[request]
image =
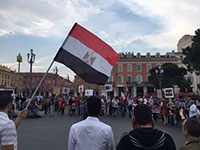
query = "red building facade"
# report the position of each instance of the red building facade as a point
(133, 70)
(50, 82)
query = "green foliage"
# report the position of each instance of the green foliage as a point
(173, 75)
(192, 54)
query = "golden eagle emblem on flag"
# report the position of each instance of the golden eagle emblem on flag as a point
(89, 58)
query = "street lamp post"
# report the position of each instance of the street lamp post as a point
(19, 60)
(56, 72)
(31, 60)
(159, 75)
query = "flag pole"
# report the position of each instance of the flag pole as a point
(39, 85)
(47, 70)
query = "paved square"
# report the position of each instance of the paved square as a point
(51, 133)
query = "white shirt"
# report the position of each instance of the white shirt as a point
(193, 110)
(90, 134)
(130, 102)
(8, 133)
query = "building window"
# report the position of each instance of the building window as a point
(147, 78)
(138, 55)
(148, 67)
(181, 58)
(129, 67)
(120, 78)
(157, 55)
(139, 68)
(129, 78)
(129, 55)
(78, 78)
(148, 55)
(139, 78)
(47, 80)
(120, 68)
(110, 79)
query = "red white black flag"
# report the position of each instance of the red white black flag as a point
(87, 55)
(122, 98)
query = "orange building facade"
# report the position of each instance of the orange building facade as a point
(133, 70)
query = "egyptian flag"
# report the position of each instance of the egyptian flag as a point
(87, 55)
(123, 98)
(127, 88)
(127, 91)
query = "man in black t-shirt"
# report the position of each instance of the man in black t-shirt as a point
(144, 136)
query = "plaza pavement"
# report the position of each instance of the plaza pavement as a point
(51, 133)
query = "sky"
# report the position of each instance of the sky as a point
(126, 25)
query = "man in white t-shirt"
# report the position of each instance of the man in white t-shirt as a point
(193, 110)
(8, 133)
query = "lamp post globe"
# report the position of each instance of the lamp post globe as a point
(19, 60)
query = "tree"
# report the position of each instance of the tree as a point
(192, 54)
(173, 75)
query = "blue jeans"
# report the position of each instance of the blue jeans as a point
(123, 107)
(81, 111)
(171, 118)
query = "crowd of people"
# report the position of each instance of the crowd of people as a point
(91, 133)
(166, 109)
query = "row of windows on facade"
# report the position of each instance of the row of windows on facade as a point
(138, 55)
(34, 86)
(4, 76)
(38, 78)
(4, 83)
(138, 67)
(38, 81)
(129, 79)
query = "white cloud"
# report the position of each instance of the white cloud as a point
(39, 68)
(44, 59)
(4, 32)
(177, 18)
(43, 18)
(104, 34)
(54, 18)
(10, 65)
